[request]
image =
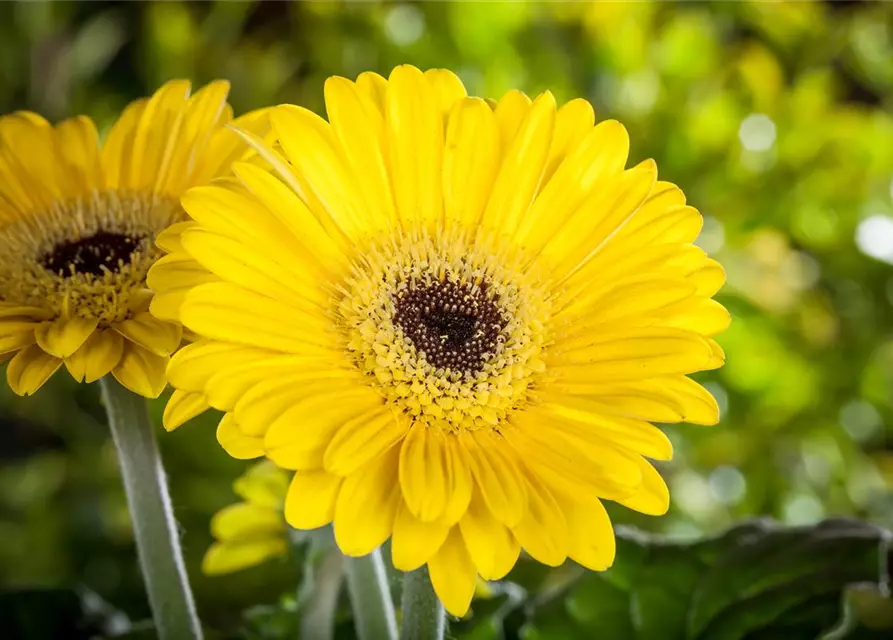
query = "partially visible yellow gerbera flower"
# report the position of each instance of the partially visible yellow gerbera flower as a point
(454, 319)
(251, 532)
(78, 227)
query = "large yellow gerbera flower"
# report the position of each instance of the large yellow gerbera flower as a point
(78, 226)
(454, 319)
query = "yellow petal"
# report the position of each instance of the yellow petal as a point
(228, 313)
(359, 126)
(159, 337)
(572, 122)
(496, 472)
(243, 521)
(638, 353)
(453, 574)
(182, 407)
(223, 558)
(709, 279)
(594, 165)
(461, 481)
(374, 87)
(64, 336)
(29, 369)
(262, 404)
(471, 159)
(236, 443)
(246, 266)
(169, 239)
(363, 438)
(653, 498)
(493, 548)
(522, 168)
(414, 541)
(299, 438)
(141, 371)
(582, 418)
(97, 356)
(264, 485)
(542, 531)
(15, 335)
(117, 150)
(78, 143)
(310, 502)
(171, 278)
(193, 365)
(447, 86)
(311, 146)
(424, 469)
(414, 127)
(590, 536)
(510, 112)
(367, 505)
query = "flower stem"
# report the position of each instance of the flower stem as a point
(154, 527)
(423, 617)
(370, 598)
(323, 573)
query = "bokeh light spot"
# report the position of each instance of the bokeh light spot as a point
(757, 132)
(874, 237)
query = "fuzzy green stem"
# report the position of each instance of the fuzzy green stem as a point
(323, 573)
(154, 527)
(423, 616)
(370, 598)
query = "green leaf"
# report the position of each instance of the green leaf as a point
(758, 580)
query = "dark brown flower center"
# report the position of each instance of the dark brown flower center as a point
(95, 254)
(455, 326)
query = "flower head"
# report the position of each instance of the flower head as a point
(79, 223)
(454, 319)
(251, 532)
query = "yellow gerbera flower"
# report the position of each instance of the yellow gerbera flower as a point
(78, 226)
(251, 532)
(454, 319)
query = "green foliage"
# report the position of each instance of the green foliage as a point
(756, 580)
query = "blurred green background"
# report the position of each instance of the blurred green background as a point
(773, 117)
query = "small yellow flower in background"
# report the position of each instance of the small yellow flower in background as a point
(251, 532)
(454, 319)
(78, 227)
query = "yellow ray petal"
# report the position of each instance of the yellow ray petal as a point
(653, 498)
(414, 541)
(97, 356)
(229, 313)
(141, 371)
(590, 536)
(236, 443)
(29, 369)
(542, 531)
(310, 502)
(496, 473)
(522, 167)
(453, 574)
(414, 134)
(358, 125)
(424, 471)
(159, 337)
(223, 558)
(362, 439)
(182, 407)
(242, 522)
(493, 548)
(367, 505)
(471, 160)
(572, 122)
(64, 336)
